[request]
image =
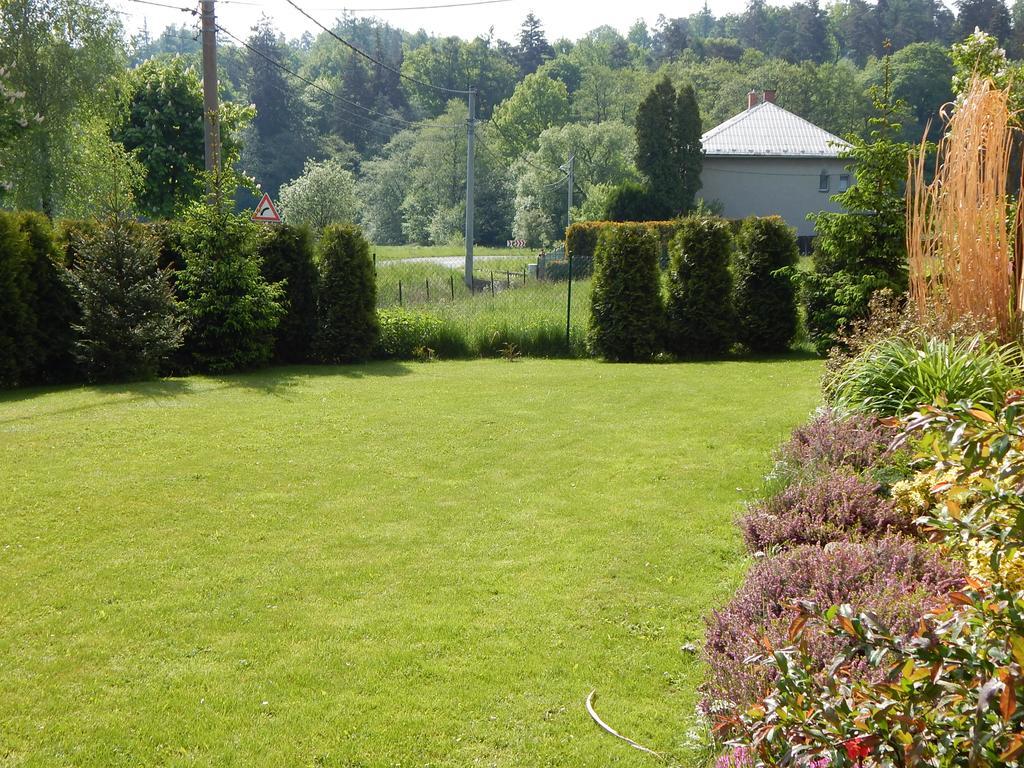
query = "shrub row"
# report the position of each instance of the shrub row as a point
(709, 306)
(115, 299)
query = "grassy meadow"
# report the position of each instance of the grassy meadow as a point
(382, 565)
(391, 252)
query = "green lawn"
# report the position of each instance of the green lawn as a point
(386, 565)
(385, 252)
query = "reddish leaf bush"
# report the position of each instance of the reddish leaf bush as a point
(819, 510)
(894, 577)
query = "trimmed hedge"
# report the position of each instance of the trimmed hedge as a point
(51, 303)
(701, 321)
(287, 255)
(765, 296)
(36, 305)
(347, 305)
(581, 241)
(632, 201)
(626, 312)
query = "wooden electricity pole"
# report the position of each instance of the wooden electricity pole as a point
(211, 113)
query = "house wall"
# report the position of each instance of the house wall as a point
(766, 186)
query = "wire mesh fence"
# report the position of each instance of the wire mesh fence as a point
(510, 306)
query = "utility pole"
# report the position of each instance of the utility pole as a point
(211, 114)
(571, 171)
(470, 184)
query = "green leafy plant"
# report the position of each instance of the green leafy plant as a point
(404, 333)
(895, 375)
(346, 307)
(626, 314)
(765, 296)
(701, 321)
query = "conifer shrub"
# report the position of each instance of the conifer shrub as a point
(626, 312)
(129, 316)
(701, 320)
(765, 296)
(230, 309)
(69, 235)
(634, 201)
(168, 237)
(347, 303)
(17, 324)
(51, 303)
(287, 255)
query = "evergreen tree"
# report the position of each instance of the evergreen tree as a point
(668, 131)
(990, 16)
(533, 49)
(347, 301)
(863, 249)
(687, 150)
(655, 148)
(129, 316)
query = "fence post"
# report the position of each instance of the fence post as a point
(428, 290)
(399, 293)
(492, 282)
(508, 279)
(524, 274)
(374, 263)
(568, 311)
(451, 279)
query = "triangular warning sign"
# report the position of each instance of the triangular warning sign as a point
(266, 211)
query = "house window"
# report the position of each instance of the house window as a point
(823, 182)
(844, 182)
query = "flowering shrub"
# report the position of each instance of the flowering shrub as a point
(895, 577)
(820, 510)
(949, 694)
(830, 441)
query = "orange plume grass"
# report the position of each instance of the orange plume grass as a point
(961, 227)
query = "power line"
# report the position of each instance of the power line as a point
(418, 7)
(193, 11)
(323, 90)
(370, 58)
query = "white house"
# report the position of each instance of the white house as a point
(767, 161)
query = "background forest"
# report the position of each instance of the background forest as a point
(338, 138)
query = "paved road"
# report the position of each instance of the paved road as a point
(452, 262)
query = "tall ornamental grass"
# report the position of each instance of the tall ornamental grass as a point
(960, 225)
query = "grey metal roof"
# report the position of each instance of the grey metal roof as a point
(769, 130)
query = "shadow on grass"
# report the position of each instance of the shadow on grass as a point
(278, 381)
(270, 381)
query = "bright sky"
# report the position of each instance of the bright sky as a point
(565, 18)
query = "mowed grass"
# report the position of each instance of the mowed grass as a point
(388, 252)
(382, 565)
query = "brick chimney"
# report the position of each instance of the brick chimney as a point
(753, 99)
(769, 95)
